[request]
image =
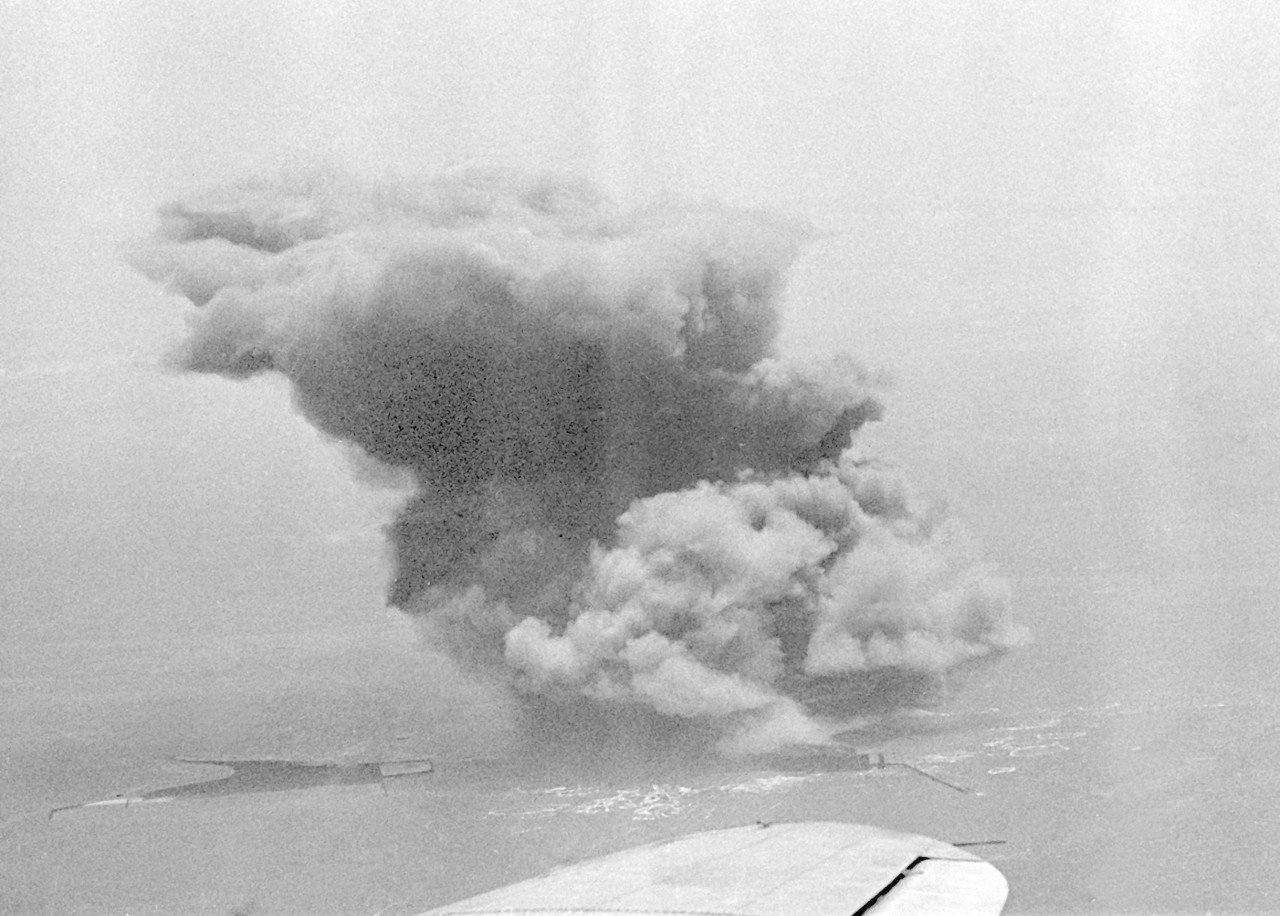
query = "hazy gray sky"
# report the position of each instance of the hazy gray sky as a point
(1054, 222)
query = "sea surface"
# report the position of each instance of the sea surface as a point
(1147, 796)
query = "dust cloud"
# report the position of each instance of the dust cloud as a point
(625, 503)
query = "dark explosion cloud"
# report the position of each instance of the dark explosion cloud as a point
(622, 493)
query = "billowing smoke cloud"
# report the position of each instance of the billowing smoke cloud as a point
(622, 494)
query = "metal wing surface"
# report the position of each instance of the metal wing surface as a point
(816, 869)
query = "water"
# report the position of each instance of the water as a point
(1125, 802)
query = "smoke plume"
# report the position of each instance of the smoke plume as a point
(623, 496)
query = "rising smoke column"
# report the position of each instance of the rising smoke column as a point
(622, 494)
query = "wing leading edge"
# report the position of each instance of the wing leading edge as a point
(816, 868)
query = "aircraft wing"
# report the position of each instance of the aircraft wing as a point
(819, 869)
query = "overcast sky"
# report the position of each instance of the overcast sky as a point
(1055, 223)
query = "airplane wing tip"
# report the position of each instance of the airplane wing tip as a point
(763, 868)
